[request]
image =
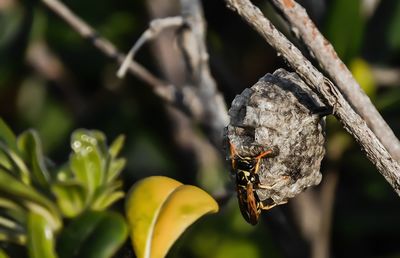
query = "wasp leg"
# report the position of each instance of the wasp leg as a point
(233, 153)
(232, 150)
(270, 206)
(261, 186)
(269, 187)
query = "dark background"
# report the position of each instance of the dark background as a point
(77, 88)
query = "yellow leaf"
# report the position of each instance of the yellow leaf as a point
(143, 204)
(159, 209)
(183, 207)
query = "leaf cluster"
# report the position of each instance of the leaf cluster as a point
(60, 211)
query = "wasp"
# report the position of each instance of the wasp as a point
(245, 170)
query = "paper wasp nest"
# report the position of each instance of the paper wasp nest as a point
(280, 113)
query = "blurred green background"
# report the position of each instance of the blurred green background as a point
(53, 80)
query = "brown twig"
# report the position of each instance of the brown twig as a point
(386, 76)
(196, 153)
(155, 28)
(201, 100)
(191, 41)
(198, 79)
(164, 49)
(324, 53)
(313, 210)
(107, 47)
(193, 45)
(321, 241)
(350, 120)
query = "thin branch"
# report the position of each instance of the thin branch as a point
(321, 241)
(203, 102)
(324, 53)
(314, 211)
(185, 99)
(155, 28)
(162, 89)
(351, 121)
(164, 49)
(368, 7)
(192, 41)
(196, 152)
(386, 76)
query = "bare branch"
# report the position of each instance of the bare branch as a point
(192, 42)
(368, 7)
(164, 49)
(203, 102)
(321, 241)
(386, 76)
(108, 48)
(328, 59)
(314, 212)
(351, 121)
(155, 28)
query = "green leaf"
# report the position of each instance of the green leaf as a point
(116, 146)
(107, 195)
(3, 254)
(73, 236)
(10, 224)
(64, 173)
(30, 198)
(41, 241)
(393, 27)
(71, 198)
(7, 135)
(30, 146)
(13, 210)
(12, 237)
(107, 200)
(107, 238)
(344, 28)
(116, 165)
(13, 164)
(93, 235)
(115, 168)
(12, 231)
(87, 161)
